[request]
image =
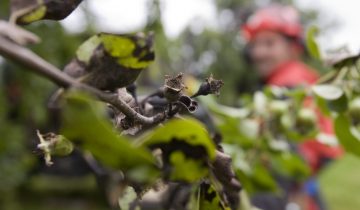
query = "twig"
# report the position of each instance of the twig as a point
(38, 65)
(17, 34)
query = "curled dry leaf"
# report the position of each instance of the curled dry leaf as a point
(210, 86)
(173, 87)
(188, 103)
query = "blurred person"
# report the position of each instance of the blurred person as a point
(275, 48)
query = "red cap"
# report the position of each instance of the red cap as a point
(284, 19)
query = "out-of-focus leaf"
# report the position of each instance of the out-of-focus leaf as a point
(311, 43)
(322, 105)
(186, 147)
(262, 179)
(328, 92)
(260, 103)
(333, 96)
(207, 198)
(290, 165)
(348, 61)
(340, 105)
(295, 136)
(84, 123)
(301, 127)
(254, 177)
(240, 132)
(221, 110)
(297, 95)
(257, 179)
(28, 11)
(245, 203)
(344, 133)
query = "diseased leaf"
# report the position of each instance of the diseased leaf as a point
(34, 15)
(131, 51)
(111, 61)
(86, 49)
(189, 130)
(207, 198)
(84, 123)
(28, 11)
(186, 147)
(195, 169)
(346, 137)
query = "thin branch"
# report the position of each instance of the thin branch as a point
(38, 65)
(17, 34)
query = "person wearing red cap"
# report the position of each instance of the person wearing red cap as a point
(275, 35)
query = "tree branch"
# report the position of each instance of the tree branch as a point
(38, 65)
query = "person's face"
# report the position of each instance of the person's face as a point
(270, 49)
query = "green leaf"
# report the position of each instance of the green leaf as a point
(348, 61)
(84, 123)
(345, 135)
(296, 136)
(340, 105)
(332, 95)
(241, 132)
(186, 147)
(262, 179)
(256, 179)
(322, 105)
(311, 43)
(222, 110)
(290, 165)
(328, 92)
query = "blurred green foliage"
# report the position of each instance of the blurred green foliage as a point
(340, 184)
(23, 100)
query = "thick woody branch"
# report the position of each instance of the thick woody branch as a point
(26, 57)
